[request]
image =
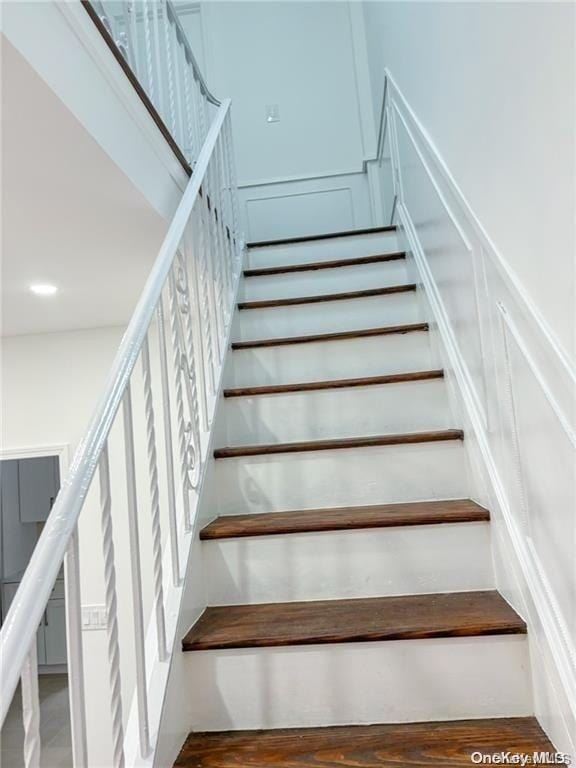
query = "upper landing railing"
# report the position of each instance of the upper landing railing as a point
(122, 523)
(148, 41)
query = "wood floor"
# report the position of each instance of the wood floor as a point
(411, 745)
(409, 617)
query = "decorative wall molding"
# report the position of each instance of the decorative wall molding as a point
(298, 177)
(505, 315)
(507, 273)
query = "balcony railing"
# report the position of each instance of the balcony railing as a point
(148, 40)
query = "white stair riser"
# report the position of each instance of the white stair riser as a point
(323, 250)
(406, 560)
(359, 683)
(338, 478)
(327, 317)
(348, 412)
(318, 361)
(324, 281)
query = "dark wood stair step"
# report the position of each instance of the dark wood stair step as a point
(345, 519)
(447, 744)
(325, 297)
(325, 236)
(311, 386)
(409, 617)
(339, 443)
(336, 336)
(312, 266)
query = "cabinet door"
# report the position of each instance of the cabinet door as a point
(8, 595)
(38, 481)
(55, 632)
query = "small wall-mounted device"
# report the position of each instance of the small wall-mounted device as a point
(272, 113)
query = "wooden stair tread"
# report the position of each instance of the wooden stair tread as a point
(310, 386)
(409, 617)
(325, 297)
(339, 443)
(336, 336)
(325, 236)
(345, 519)
(401, 745)
(312, 266)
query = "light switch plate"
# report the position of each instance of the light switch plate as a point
(272, 113)
(94, 617)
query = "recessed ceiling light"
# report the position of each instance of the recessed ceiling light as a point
(43, 289)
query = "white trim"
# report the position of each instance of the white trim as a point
(364, 99)
(509, 276)
(61, 450)
(554, 625)
(298, 177)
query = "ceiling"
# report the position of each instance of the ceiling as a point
(70, 216)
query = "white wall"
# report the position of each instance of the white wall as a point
(493, 85)
(303, 173)
(515, 391)
(62, 44)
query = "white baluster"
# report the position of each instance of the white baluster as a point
(136, 573)
(198, 328)
(193, 143)
(169, 69)
(207, 282)
(31, 709)
(183, 287)
(136, 62)
(111, 611)
(148, 53)
(230, 203)
(159, 58)
(179, 63)
(212, 254)
(154, 504)
(167, 411)
(182, 427)
(236, 213)
(75, 653)
(224, 252)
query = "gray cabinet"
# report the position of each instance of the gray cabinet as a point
(55, 632)
(51, 635)
(38, 483)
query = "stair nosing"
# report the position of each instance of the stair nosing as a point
(333, 336)
(313, 266)
(312, 386)
(390, 290)
(333, 444)
(325, 236)
(513, 624)
(293, 522)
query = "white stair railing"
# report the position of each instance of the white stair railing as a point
(149, 36)
(172, 354)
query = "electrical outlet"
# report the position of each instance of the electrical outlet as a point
(272, 113)
(94, 617)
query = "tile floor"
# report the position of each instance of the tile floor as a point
(54, 727)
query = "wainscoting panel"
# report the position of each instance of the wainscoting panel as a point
(305, 206)
(515, 388)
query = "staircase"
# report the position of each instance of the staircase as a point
(350, 577)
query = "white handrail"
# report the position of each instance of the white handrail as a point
(19, 629)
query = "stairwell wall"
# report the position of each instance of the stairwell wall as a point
(303, 174)
(484, 190)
